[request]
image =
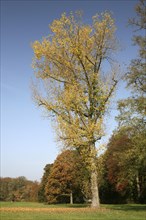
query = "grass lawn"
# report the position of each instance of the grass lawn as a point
(38, 211)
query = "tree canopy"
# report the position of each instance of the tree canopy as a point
(18, 189)
(64, 182)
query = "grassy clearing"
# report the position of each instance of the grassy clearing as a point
(37, 211)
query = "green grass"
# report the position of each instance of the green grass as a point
(68, 212)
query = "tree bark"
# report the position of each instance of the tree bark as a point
(138, 186)
(94, 185)
(94, 189)
(71, 198)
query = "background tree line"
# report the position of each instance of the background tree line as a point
(117, 179)
(18, 189)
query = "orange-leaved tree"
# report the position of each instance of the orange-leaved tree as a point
(74, 86)
(64, 181)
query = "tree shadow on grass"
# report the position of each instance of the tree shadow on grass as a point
(78, 205)
(129, 207)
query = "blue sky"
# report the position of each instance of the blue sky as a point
(27, 139)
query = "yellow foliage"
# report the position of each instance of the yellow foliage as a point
(69, 62)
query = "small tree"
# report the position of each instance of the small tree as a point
(76, 89)
(64, 179)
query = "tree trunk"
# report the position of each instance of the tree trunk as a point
(94, 186)
(94, 189)
(71, 198)
(138, 186)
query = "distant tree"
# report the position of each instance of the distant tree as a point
(30, 192)
(76, 90)
(4, 189)
(107, 190)
(64, 181)
(18, 189)
(125, 160)
(41, 192)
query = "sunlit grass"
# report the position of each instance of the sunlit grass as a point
(38, 211)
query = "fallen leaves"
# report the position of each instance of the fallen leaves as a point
(52, 210)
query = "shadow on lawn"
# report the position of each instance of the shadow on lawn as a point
(78, 205)
(122, 207)
(129, 207)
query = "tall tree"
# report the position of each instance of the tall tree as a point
(136, 76)
(76, 90)
(132, 110)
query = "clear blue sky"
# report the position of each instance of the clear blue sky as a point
(27, 139)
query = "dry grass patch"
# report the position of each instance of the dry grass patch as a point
(52, 210)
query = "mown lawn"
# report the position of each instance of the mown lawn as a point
(37, 211)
